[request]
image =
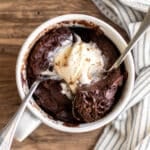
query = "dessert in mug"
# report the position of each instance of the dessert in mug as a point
(78, 56)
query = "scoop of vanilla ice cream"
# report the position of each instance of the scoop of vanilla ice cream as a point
(79, 63)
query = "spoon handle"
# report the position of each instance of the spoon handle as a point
(145, 24)
(7, 133)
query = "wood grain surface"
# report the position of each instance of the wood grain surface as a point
(17, 20)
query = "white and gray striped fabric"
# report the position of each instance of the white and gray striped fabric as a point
(131, 129)
(141, 5)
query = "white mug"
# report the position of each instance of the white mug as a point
(34, 115)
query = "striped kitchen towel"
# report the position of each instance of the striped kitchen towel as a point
(131, 129)
(141, 5)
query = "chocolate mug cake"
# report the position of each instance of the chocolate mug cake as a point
(79, 56)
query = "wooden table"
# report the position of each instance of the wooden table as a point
(17, 20)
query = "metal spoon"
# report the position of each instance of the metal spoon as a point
(7, 134)
(144, 26)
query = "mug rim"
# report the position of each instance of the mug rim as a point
(53, 123)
